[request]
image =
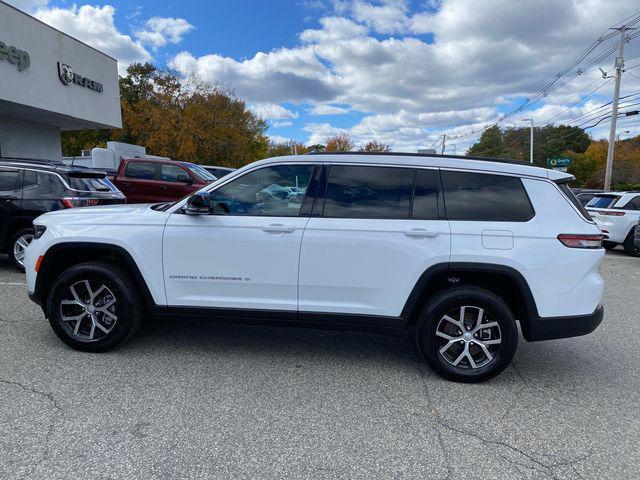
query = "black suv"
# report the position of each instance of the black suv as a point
(29, 188)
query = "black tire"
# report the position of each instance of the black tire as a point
(29, 231)
(609, 245)
(127, 308)
(629, 247)
(495, 310)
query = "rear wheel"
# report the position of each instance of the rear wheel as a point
(19, 242)
(91, 307)
(467, 334)
(609, 245)
(629, 247)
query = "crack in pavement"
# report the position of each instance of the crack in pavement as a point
(52, 420)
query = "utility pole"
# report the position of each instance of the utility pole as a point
(444, 140)
(531, 139)
(614, 107)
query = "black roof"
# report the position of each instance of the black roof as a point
(428, 155)
(48, 166)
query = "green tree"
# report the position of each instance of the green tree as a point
(489, 145)
(375, 146)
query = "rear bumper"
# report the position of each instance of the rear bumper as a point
(550, 328)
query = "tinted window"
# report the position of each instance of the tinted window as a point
(271, 191)
(42, 185)
(602, 201)
(426, 193)
(201, 172)
(141, 170)
(480, 196)
(91, 184)
(368, 192)
(9, 180)
(633, 204)
(173, 173)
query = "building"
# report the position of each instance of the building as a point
(50, 82)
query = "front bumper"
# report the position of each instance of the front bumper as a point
(551, 328)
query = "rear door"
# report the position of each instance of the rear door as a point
(139, 182)
(377, 230)
(10, 194)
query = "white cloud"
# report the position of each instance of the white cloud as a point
(160, 31)
(388, 17)
(279, 139)
(333, 29)
(272, 111)
(323, 109)
(95, 26)
(28, 5)
(282, 123)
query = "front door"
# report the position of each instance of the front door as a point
(10, 197)
(245, 254)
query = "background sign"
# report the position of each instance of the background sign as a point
(557, 162)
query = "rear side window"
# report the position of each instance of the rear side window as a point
(481, 196)
(10, 180)
(566, 191)
(368, 192)
(603, 201)
(42, 185)
(141, 170)
(633, 204)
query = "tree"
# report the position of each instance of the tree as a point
(339, 143)
(286, 148)
(489, 145)
(375, 146)
(184, 119)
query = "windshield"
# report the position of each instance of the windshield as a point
(603, 201)
(91, 184)
(200, 172)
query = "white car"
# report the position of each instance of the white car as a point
(453, 249)
(617, 214)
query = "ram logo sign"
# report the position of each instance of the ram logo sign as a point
(67, 77)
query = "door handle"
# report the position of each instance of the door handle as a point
(420, 233)
(278, 228)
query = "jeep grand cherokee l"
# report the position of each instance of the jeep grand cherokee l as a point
(29, 188)
(453, 249)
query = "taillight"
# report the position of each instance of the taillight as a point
(610, 213)
(581, 241)
(74, 202)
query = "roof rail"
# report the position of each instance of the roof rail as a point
(32, 160)
(427, 155)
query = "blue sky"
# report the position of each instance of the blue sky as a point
(399, 71)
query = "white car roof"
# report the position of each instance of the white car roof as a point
(417, 160)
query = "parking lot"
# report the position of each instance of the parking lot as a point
(196, 400)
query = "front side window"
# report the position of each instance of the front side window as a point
(271, 191)
(173, 173)
(368, 192)
(10, 180)
(485, 197)
(141, 170)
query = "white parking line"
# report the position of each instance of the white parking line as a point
(13, 283)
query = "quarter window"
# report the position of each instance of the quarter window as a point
(368, 192)
(485, 197)
(141, 170)
(271, 191)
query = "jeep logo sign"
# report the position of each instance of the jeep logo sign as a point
(14, 55)
(67, 77)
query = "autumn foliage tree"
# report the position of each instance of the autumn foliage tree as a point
(375, 146)
(339, 143)
(184, 119)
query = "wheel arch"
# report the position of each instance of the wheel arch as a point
(504, 281)
(64, 255)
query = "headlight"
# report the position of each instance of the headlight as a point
(39, 231)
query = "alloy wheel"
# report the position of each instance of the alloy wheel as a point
(88, 312)
(468, 338)
(21, 243)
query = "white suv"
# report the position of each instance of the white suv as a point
(617, 214)
(453, 249)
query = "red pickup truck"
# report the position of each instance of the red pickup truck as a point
(152, 180)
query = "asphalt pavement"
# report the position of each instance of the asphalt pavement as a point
(187, 400)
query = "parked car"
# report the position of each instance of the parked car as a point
(451, 248)
(149, 180)
(617, 214)
(636, 238)
(29, 188)
(584, 195)
(218, 172)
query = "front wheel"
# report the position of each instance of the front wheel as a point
(467, 334)
(93, 307)
(19, 243)
(629, 247)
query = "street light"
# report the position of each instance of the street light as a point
(531, 141)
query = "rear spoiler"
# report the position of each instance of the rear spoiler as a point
(85, 173)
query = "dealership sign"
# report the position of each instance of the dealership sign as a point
(558, 162)
(67, 77)
(14, 55)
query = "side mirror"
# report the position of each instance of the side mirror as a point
(198, 204)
